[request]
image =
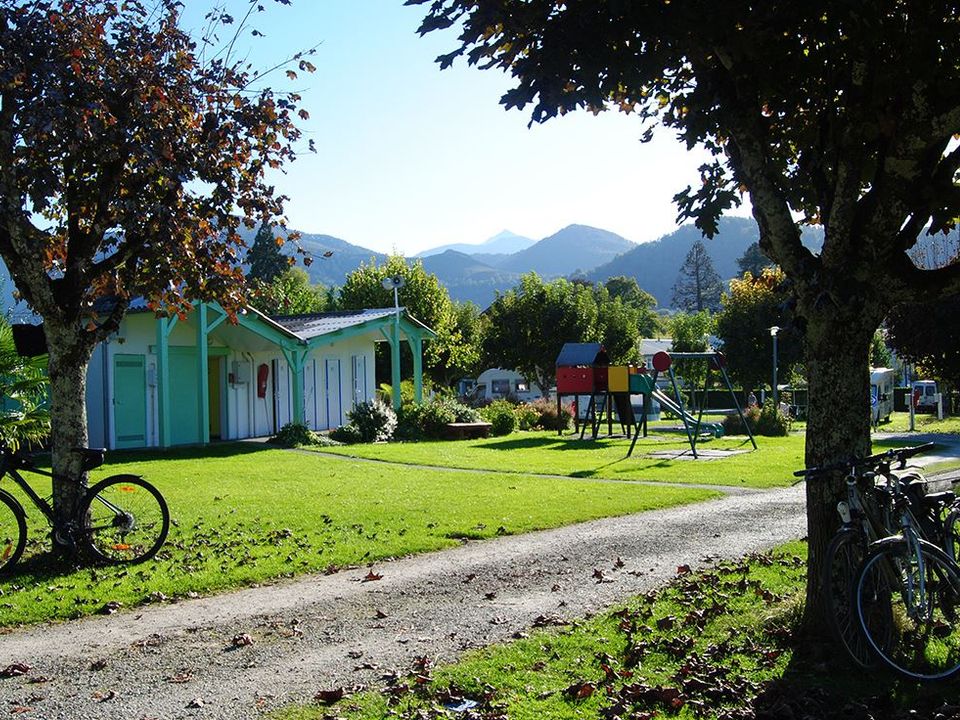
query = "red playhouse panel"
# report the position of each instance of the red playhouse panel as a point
(574, 379)
(600, 378)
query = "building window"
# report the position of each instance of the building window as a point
(522, 386)
(500, 387)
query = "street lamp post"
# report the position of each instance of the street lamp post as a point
(395, 282)
(773, 334)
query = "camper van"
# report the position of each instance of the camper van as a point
(925, 395)
(881, 394)
(497, 383)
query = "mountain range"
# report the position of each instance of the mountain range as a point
(503, 243)
(478, 272)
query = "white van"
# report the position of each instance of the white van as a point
(881, 394)
(924, 395)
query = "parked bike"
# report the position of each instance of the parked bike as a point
(121, 519)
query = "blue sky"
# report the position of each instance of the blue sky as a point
(409, 157)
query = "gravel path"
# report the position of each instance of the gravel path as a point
(324, 632)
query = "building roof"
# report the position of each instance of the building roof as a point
(316, 324)
(651, 346)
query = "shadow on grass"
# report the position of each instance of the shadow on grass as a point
(192, 452)
(539, 443)
(45, 565)
(820, 683)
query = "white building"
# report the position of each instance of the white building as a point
(160, 382)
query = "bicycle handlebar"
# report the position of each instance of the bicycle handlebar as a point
(900, 454)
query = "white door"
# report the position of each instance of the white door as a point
(332, 388)
(359, 379)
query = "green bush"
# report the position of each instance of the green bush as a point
(430, 419)
(347, 435)
(527, 417)
(374, 420)
(501, 417)
(548, 417)
(294, 435)
(732, 425)
(772, 422)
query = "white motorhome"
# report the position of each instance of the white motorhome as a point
(497, 383)
(882, 381)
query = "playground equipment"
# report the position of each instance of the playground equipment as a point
(583, 369)
(696, 429)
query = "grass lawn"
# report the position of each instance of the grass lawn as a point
(546, 452)
(245, 513)
(718, 644)
(923, 422)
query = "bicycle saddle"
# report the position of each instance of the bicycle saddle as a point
(92, 457)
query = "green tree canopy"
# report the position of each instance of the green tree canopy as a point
(698, 285)
(289, 293)
(928, 335)
(629, 291)
(691, 334)
(266, 260)
(426, 299)
(530, 324)
(753, 261)
(753, 306)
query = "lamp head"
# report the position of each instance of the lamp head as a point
(393, 282)
(774, 330)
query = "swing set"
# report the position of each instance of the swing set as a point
(696, 428)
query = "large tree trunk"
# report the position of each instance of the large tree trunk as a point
(838, 428)
(70, 355)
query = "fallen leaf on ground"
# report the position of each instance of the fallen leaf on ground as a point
(241, 640)
(111, 607)
(14, 670)
(329, 697)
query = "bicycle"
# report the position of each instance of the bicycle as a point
(121, 519)
(867, 516)
(908, 600)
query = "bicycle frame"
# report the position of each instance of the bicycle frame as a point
(41, 503)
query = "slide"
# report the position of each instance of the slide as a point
(713, 429)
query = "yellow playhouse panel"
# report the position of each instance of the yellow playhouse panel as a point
(618, 378)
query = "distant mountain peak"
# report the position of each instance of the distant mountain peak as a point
(504, 242)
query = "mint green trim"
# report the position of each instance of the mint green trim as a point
(203, 355)
(416, 345)
(164, 328)
(296, 359)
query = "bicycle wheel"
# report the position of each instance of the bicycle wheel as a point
(841, 565)
(125, 519)
(908, 598)
(13, 531)
(951, 531)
